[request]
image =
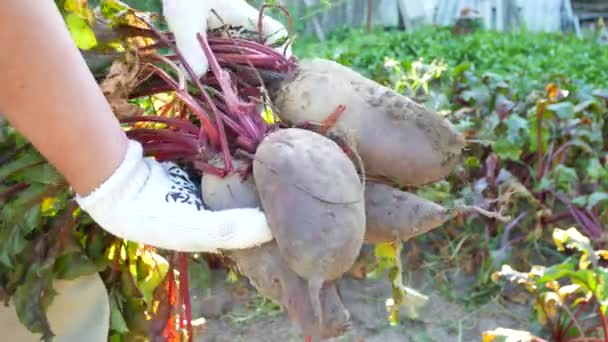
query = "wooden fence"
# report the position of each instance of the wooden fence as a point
(317, 17)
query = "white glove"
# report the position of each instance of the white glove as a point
(186, 18)
(156, 204)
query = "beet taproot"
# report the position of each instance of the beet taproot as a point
(397, 138)
(268, 272)
(395, 215)
(266, 269)
(313, 198)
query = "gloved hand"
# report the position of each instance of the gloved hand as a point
(186, 18)
(157, 204)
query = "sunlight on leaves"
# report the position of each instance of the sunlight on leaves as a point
(81, 32)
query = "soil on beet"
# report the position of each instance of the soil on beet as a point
(234, 313)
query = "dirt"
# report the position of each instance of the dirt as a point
(233, 318)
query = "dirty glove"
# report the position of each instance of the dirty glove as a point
(186, 18)
(156, 204)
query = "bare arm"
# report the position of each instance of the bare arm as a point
(48, 93)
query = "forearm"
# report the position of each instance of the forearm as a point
(62, 112)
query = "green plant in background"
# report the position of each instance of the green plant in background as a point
(532, 105)
(533, 108)
(571, 297)
(410, 78)
(518, 54)
(44, 236)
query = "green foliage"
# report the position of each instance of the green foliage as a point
(568, 288)
(533, 108)
(528, 58)
(44, 236)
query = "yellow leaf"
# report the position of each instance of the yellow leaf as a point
(47, 206)
(495, 277)
(553, 285)
(560, 237)
(79, 8)
(603, 254)
(537, 271)
(567, 290)
(81, 32)
(269, 116)
(584, 262)
(540, 312)
(507, 335)
(488, 336)
(386, 250)
(550, 301)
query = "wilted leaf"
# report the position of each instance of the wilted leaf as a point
(568, 290)
(118, 84)
(507, 335)
(550, 301)
(413, 302)
(573, 239)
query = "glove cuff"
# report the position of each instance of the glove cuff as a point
(132, 161)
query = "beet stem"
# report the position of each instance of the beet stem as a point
(223, 142)
(232, 100)
(184, 125)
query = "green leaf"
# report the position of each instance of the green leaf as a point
(545, 136)
(506, 149)
(81, 32)
(584, 278)
(596, 198)
(555, 272)
(44, 174)
(565, 177)
(472, 163)
(32, 299)
(564, 110)
(12, 242)
(517, 128)
(78, 7)
(73, 265)
(117, 321)
(580, 201)
(602, 289)
(594, 170)
(21, 163)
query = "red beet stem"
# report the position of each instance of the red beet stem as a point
(223, 142)
(206, 124)
(183, 125)
(232, 101)
(166, 135)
